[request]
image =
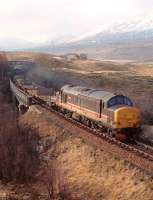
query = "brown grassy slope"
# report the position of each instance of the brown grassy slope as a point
(82, 170)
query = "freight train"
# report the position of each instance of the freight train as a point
(108, 112)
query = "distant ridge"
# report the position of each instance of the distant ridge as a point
(132, 40)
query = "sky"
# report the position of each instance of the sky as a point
(45, 20)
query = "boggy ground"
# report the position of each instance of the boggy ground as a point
(81, 170)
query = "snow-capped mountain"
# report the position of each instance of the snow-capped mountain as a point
(144, 25)
(140, 30)
(126, 40)
(141, 24)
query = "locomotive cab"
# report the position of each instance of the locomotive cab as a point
(123, 117)
(127, 117)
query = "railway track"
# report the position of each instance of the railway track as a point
(148, 149)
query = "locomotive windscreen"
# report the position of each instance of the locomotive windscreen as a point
(119, 100)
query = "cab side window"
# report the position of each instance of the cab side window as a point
(64, 98)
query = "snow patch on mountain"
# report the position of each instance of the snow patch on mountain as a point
(135, 25)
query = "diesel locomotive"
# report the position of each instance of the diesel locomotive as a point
(100, 109)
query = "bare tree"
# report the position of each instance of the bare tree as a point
(48, 177)
(19, 159)
(4, 66)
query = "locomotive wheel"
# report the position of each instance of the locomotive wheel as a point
(68, 115)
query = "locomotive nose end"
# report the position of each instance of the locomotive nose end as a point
(127, 117)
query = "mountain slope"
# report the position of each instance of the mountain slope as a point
(132, 40)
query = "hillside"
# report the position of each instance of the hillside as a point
(74, 165)
(80, 168)
(132, 40)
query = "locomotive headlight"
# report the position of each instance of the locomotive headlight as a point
(115, 123)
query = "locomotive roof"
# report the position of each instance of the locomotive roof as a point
(88, 92)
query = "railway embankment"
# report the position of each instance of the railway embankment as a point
(83, 166)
